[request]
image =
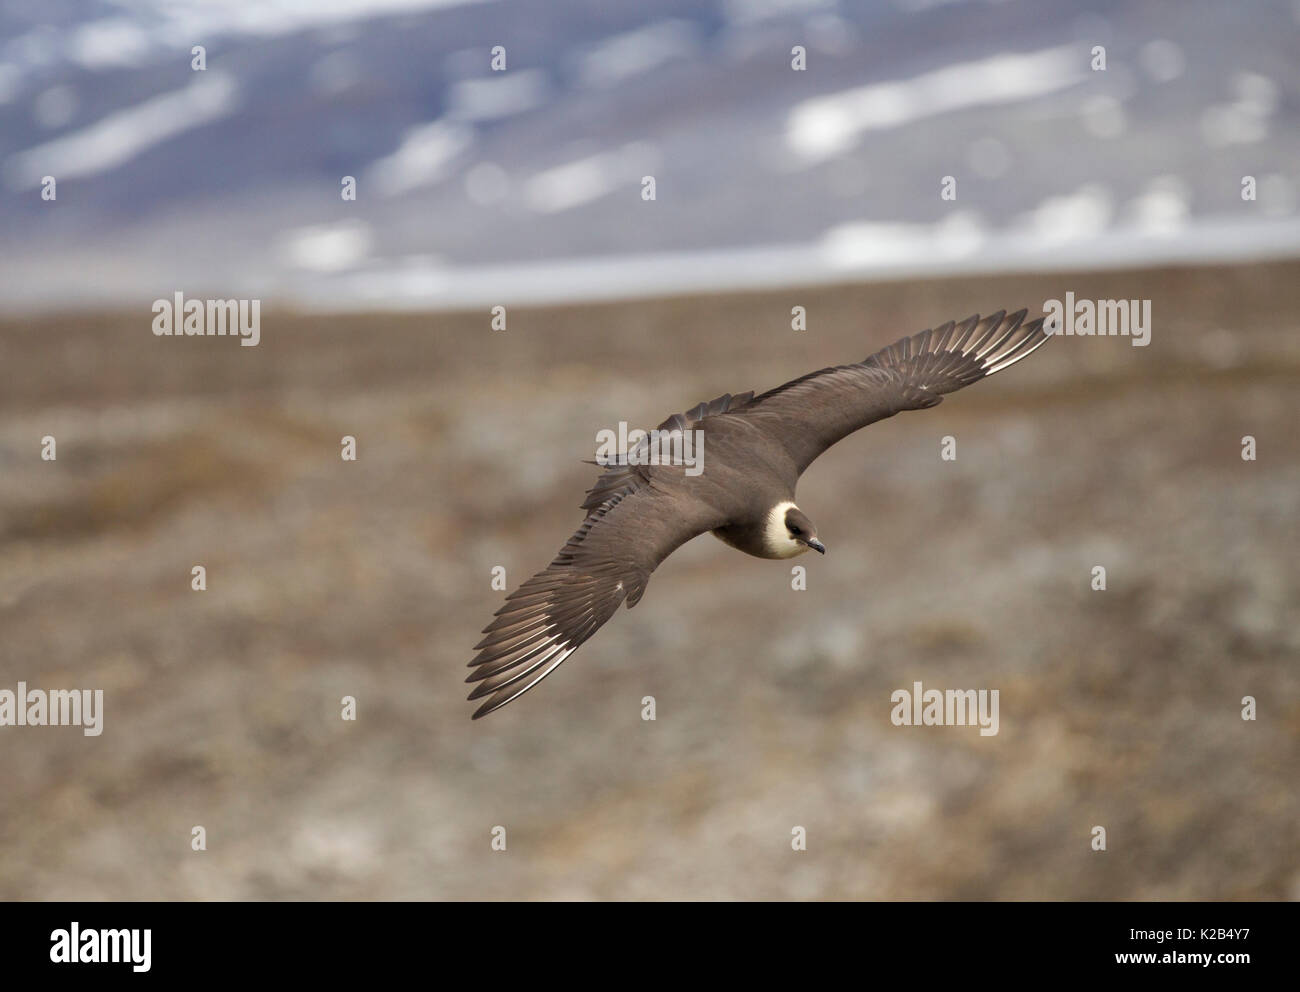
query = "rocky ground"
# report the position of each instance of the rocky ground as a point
(372, 579)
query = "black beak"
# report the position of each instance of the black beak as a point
(817, 546)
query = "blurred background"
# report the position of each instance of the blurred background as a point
(774, 188)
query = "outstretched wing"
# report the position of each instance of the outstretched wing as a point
(813, 412)
(607, 561)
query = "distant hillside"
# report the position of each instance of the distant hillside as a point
(229, 179)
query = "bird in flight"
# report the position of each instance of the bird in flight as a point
(743, 491)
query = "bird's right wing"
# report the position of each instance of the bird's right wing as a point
(608, 561)
(813, 412)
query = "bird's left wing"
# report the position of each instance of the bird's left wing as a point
(607, 561)
(811, 413)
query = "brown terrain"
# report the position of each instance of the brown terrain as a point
(372, 579)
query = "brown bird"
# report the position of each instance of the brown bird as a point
(742, 491)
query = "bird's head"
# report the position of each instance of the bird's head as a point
(802, 531)
(790, 532)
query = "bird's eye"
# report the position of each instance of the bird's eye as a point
(795, 530)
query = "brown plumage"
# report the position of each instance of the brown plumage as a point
(756, 447)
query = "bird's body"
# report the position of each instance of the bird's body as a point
(756, 447)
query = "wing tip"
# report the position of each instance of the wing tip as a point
(1021, 341)
(958, 354)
